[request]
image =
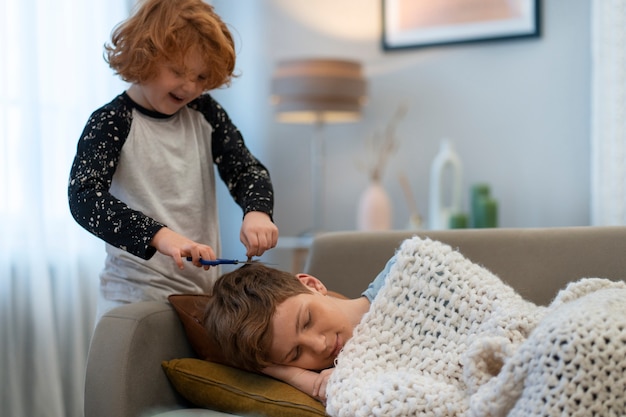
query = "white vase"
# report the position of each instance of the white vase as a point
(444, 201)
(374, 209)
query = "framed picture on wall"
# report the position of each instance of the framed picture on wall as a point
(421, 23)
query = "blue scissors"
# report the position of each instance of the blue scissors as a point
(222, 261)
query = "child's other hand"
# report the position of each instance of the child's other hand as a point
(310, 382)
(320, 383)
(258, 233)
(178, 247)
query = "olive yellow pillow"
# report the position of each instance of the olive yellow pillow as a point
(222, 388)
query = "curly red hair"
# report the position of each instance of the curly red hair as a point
(165, 31)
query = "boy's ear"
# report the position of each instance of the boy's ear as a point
(312, 283)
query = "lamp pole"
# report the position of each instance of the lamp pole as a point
(318, 175)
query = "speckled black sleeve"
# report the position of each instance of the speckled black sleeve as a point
(245, 176)
(90, 201)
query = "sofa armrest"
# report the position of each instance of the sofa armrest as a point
(124, 375)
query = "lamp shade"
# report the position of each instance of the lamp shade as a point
(318, 90)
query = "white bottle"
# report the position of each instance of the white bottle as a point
(445, 186)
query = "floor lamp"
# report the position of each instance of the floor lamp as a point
(318, 91)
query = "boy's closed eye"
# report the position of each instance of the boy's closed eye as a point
(296, 355)
(301, 324)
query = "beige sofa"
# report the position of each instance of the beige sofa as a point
(124, 377)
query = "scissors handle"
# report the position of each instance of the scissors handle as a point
(218, 261)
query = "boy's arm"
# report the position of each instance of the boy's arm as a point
(309, 382)
(247, 179)
(91, 203)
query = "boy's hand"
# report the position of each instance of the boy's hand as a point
(177, 246)
(258, 233)
(320, 383)
(309, 382)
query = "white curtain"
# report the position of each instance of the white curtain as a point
(52, 76)
(608, 136)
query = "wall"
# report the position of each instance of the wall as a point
(518, 112)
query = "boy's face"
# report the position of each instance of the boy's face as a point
(174, 86)
(309, 330)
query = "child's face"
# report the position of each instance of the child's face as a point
(174, 86)
(309, 331)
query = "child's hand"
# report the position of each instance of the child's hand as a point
(258, 233)
(319, 385)
(310, 382)
(178, 247)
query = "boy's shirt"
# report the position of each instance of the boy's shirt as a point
(136, 171)
(372, 290)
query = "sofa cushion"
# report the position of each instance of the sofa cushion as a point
(220, 387)
(190, 310)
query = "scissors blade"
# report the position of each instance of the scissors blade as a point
(223, 261)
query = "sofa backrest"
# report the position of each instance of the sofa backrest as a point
(536, 262)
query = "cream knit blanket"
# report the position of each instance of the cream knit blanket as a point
(445, 337)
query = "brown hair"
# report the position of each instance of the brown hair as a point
(161, 31)
(239, 313)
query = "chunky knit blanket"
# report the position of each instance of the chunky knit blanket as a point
(446, 337)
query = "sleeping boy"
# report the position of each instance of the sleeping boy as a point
(287, 326)
(434, 333)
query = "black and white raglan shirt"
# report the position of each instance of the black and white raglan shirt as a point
(137, 170)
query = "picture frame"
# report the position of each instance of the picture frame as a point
(426, 23)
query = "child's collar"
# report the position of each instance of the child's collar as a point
(143, 110)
